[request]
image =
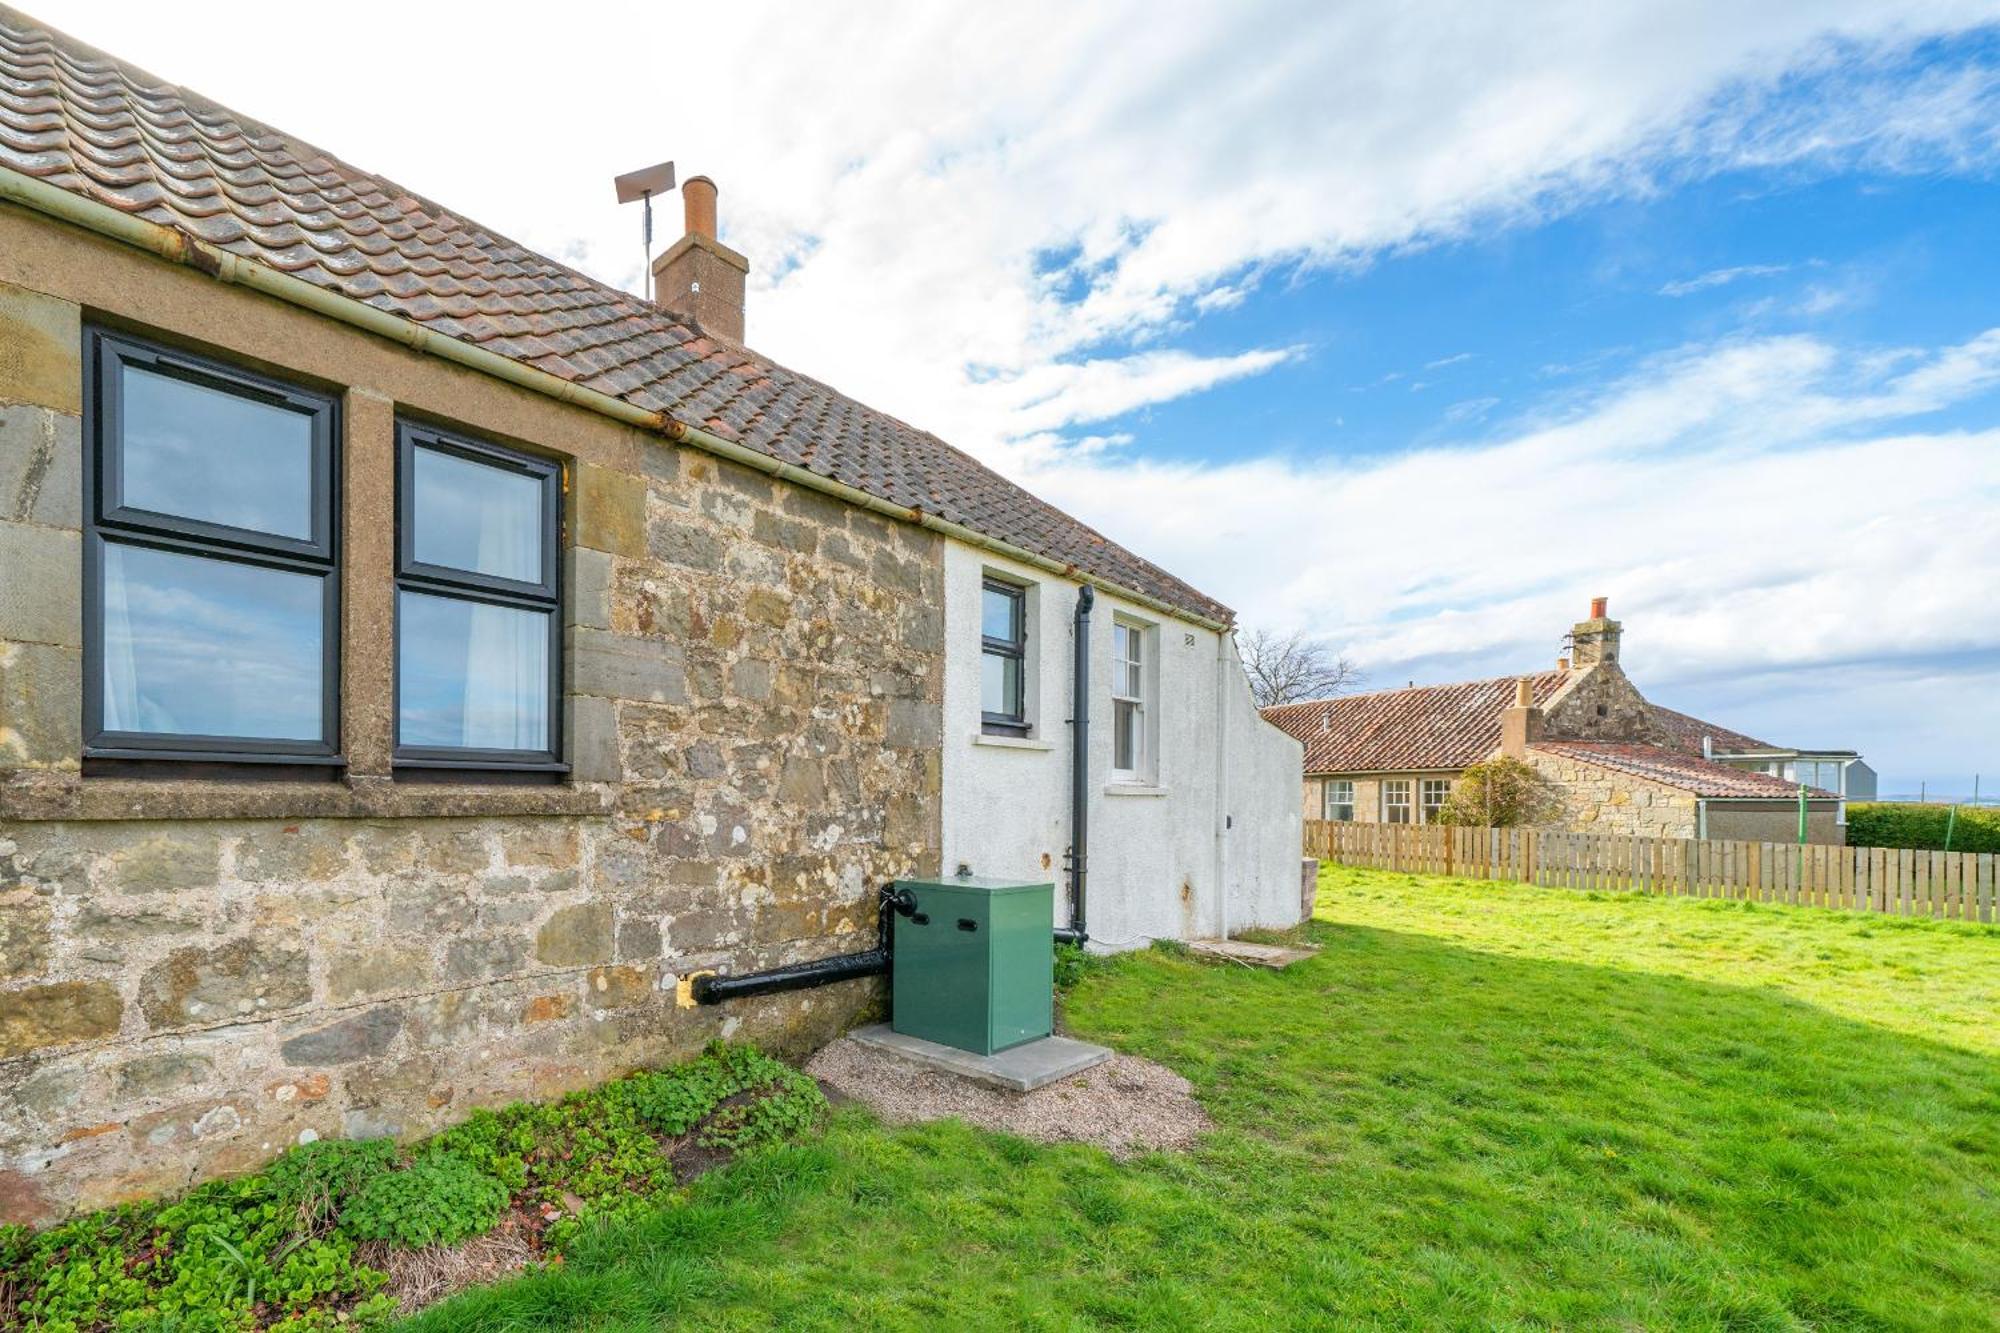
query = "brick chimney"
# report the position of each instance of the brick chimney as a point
(1521, 725)
(1596, 639)
(699, 275)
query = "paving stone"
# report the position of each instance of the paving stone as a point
(1022, 1068)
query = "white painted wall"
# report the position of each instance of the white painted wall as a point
(1162, 864)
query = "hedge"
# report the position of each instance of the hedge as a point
(1887, 824)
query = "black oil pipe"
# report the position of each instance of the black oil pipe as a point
(874, 962)
(1079, 774)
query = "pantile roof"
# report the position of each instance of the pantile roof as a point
(89, 124)
(1426, 726)
(1684, 772)
(1684, 733)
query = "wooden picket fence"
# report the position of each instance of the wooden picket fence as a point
(1959, 886)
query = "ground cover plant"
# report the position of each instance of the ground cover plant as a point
(1482, 1106)
(311, 1242)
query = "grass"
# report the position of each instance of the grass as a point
(1481, 1107)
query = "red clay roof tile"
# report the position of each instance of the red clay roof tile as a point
(1685, 772)
(1685, 734)
(1427, 726)
(92, 125)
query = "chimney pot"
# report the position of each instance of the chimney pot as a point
(1594, 642)
(1599, 606)
(1524, 694)
(699, 275)
(1562, 664)
(698, 200)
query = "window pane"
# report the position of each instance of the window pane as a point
(201, 647)
(470, 516)
(1125, 746)
(204, 454)
(1000, 684)
(999, 616)
(472, 675)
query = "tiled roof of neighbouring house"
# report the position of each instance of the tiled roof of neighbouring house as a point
(1684, 772)
(1426, 726)
(91, 125)
(1685, 734)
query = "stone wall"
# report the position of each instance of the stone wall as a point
(196, 973)
(1603, 800)
(1599, 703)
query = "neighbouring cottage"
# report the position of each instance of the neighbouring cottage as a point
(416, 658)
(1619, 763)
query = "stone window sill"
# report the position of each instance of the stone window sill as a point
(1133, 789)
(1011, 742)
(51, 796)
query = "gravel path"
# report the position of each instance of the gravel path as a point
(1125, 1105)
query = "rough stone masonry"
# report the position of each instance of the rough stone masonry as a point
(196, 973)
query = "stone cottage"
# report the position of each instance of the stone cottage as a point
(1619, 763)
(417, 658)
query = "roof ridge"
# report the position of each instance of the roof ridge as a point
(1412, 689)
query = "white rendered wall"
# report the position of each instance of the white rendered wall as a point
(1162, 864)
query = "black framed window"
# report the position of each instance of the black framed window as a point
(211, 596)
(478, 612)
(1003, 633)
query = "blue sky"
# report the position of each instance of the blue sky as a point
(1411, 326)
(1437, 345)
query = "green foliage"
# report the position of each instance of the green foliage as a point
(674, 1100)
(225, 1257)
(1896, 824)
(496, 1144)
(276, 1250)
(436, 1200)
(1482, 1106)
(780, 1111)
(1501, 793)
(314, 1180)
(1073, 964)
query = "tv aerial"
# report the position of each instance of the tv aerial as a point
(641, 186)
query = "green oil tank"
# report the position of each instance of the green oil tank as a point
(974, 963)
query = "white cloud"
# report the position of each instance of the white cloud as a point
(1720, 277)
(939, 199)
(1759, 511)
(999, 222)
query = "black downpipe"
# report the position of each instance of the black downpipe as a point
(820, 972)
(1079, 775)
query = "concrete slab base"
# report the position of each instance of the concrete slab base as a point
(1276, 957)
(1034, 1064)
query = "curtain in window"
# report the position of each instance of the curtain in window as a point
(121, 676)
(505, 700)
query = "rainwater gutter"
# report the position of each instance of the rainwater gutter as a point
(180, 247)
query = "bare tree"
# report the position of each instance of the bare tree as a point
(1285, 668)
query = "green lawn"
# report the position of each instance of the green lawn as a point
(1481, 1107)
